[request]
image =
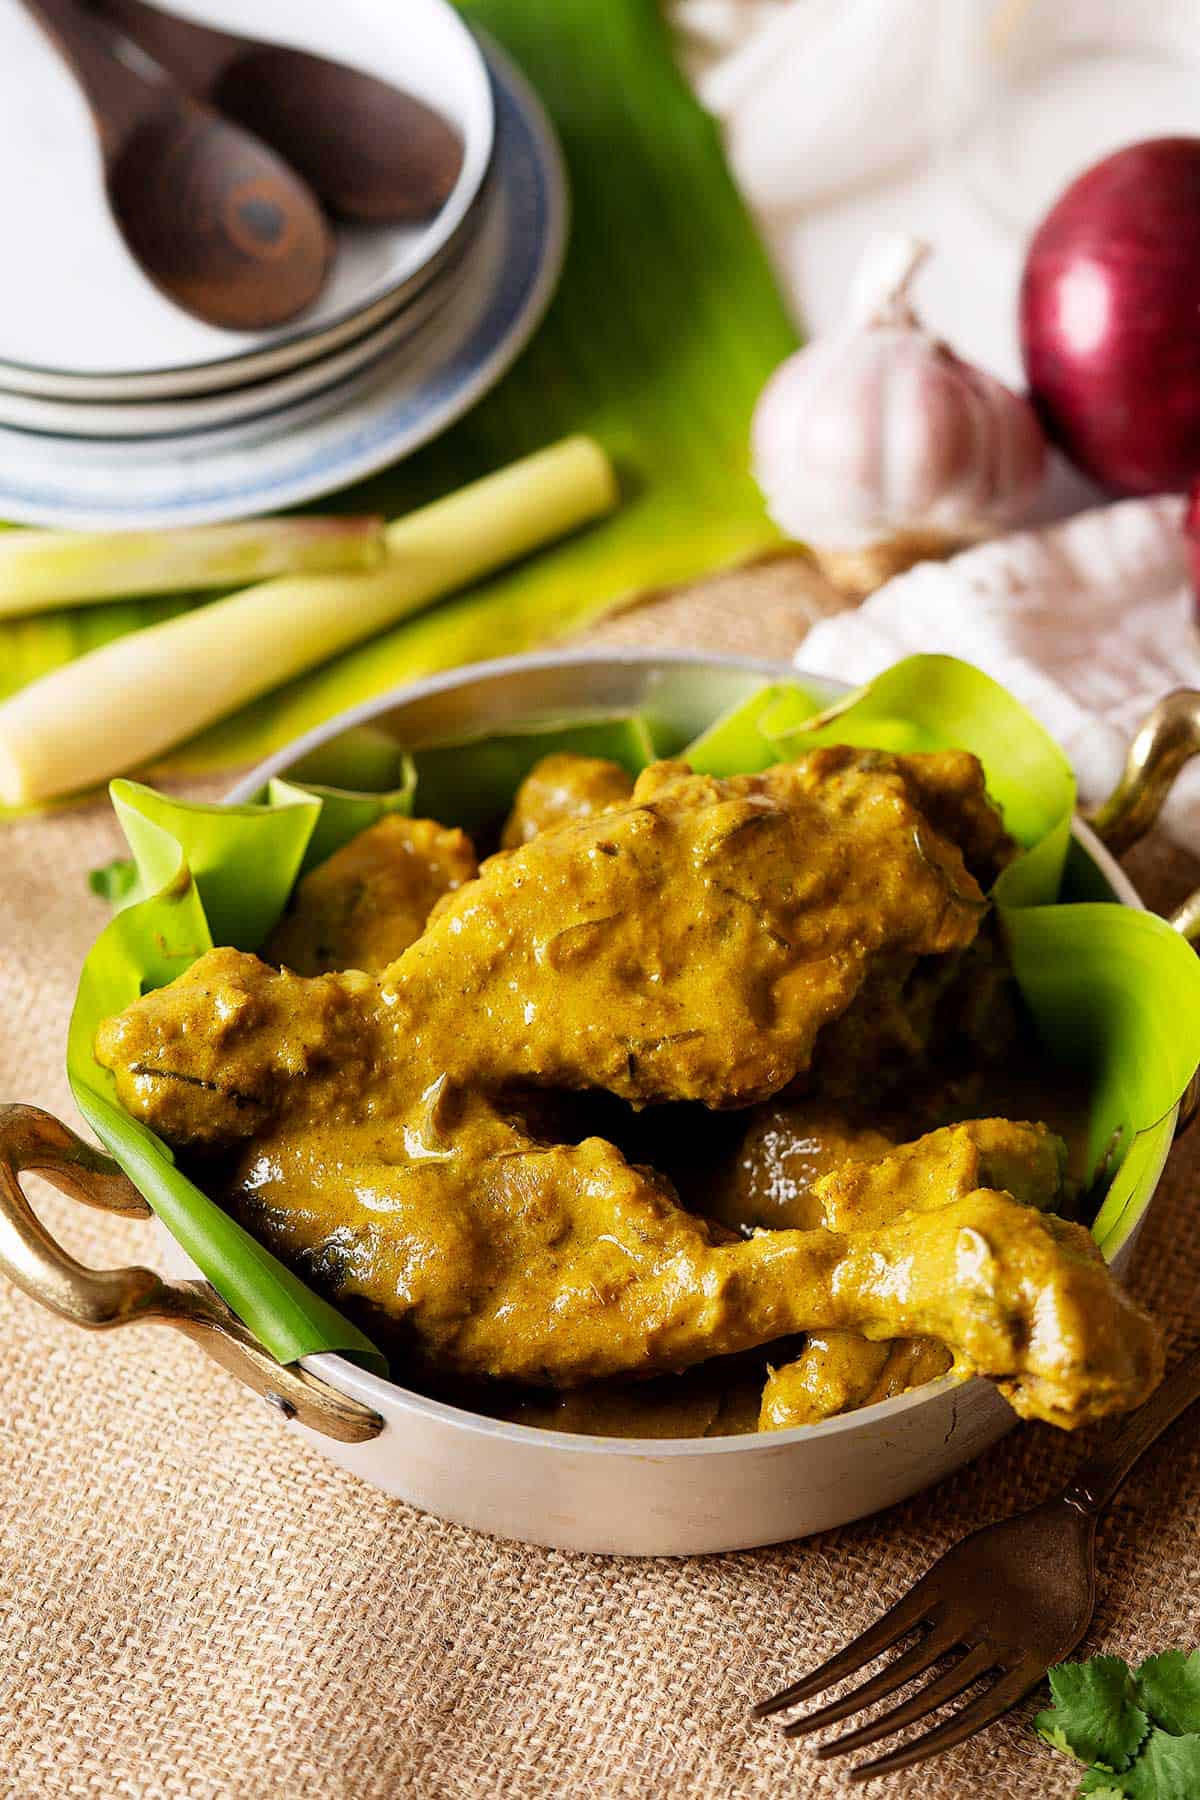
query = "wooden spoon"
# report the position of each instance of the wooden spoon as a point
(216, 220)
(371, 151)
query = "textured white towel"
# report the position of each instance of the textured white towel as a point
(1089, 622)
(814, 96)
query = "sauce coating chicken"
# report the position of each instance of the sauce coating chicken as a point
(561, 787)
(839, 1370)
(369, 901)
(690, 945)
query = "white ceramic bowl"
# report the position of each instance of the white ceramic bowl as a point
(650, 1497)
(80, 321)
(319, 442)
(140, 419)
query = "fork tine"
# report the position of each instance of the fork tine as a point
(906, 1666)
(935, 1693)
(912, 1609)
(985, 1710)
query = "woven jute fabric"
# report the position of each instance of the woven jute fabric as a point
(192, 1603)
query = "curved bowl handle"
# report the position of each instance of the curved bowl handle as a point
(1168, 738)
(101, 1299)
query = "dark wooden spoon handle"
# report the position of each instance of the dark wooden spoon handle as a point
(196, 55)
(117, 95)
(370, 149)
(217, 220)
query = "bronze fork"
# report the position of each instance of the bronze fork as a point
(1014, 1598)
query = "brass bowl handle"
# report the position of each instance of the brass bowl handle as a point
(1168, 738)
(100, 1299)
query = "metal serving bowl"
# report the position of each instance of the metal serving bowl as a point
(609, 1495)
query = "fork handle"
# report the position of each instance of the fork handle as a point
(1098, 1479)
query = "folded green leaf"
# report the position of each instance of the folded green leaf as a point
(342, 816)
(939, 703)
(213, 874)
(750, 736)
(364, 759)
(923, 703)
(1116, 993)
(243, 860)
(473, 782)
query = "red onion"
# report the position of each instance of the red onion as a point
(1110, 318)
(1191, 532)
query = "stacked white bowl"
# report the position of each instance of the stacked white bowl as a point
(119, 409)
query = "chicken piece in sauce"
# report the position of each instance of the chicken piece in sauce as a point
(690, 945)
(363, 906)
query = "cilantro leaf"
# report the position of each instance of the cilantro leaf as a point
(1097, 1784)
(115, 880)
(1140, 1732)
(1051, 1732)
(1168, 1688)
(1095, 1713)
(1168, 1768)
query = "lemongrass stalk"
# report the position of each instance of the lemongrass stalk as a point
(127, 701)
(42, 569)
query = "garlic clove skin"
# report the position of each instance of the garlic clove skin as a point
(878, 438)
(856, 438)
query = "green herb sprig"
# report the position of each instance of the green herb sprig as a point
(1138, 1730)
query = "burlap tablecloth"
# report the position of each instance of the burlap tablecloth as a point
(193, 1604)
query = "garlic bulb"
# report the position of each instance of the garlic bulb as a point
(879, 447)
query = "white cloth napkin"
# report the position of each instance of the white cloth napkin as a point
(814, 96)
(1088, 621)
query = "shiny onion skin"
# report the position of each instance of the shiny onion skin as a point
(1191, 531)
(1110, 318)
